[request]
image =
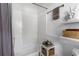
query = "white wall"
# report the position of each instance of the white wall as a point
(56, 27)
(28, 25)
(25, 31)
(68, 45)
(52, 28)
(17, 27)
(41, 24)
(30, 28)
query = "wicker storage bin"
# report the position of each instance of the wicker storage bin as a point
(71, 33)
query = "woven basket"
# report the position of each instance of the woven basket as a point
(71, 33)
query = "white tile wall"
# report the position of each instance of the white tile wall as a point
(28, 23)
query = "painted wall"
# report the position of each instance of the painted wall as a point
(54, 28)
(17, 27)
(41, 24)
(30, 28)
(29, 25)
(25, 31)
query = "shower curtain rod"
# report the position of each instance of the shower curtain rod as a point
(56, 7)
(40, 5)
(46, 7)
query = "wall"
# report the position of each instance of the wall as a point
(29, 28)
(52, 29)
(68, 45)
(17, 27)
(56, 27)
(25, 31)
(41, 24)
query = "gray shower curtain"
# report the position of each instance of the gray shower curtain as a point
(6, 47)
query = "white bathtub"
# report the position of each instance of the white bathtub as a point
(33, 54)
(25, 54)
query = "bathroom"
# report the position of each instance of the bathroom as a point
(32, 23)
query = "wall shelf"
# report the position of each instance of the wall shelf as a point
(62, 37)
(72, 39)
(72, 21)
(66, 22)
